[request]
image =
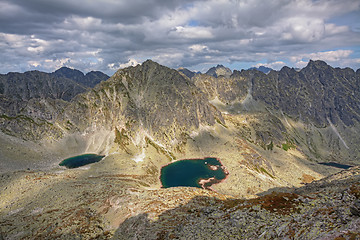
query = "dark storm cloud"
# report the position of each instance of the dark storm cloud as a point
(108, 34)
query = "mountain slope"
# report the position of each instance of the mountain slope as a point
(271, 132)
(149, 99)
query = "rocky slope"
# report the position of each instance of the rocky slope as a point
(269, 131)
(327, 209)
(315, 109)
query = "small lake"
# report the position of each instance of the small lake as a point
(337, 165)
(81, 160)
(201, 173)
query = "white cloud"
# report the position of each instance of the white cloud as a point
(337, 57)
(131, 62)
(330, 56)
(274, 65)
(191, 32)
(303, 30)
(198, 48)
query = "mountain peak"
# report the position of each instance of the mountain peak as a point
(317, 64)
(262, 69)
(69, 73)
(219, 70)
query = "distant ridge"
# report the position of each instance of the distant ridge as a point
(263, 69)
(64, 83)
(89, 80)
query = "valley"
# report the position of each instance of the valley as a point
(276, 134)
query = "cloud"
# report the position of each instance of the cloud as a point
(104, 35)
(331, 57)
(274, 65)
(131, 62)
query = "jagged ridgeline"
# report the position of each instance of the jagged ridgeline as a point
(148, 100)
(316, 108)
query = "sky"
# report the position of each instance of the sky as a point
(106, 35)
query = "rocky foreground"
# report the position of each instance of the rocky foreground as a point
(85, 204)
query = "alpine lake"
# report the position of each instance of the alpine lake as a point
(81, 160)
(201, 173)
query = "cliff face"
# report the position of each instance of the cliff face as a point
(315, 109)
(317, 94)
(35, 84)
(32, 101)
(227, 89)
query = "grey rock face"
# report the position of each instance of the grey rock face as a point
(187, 72)
(35, 84)
(355, 208)
(218, 71)
(227, 89)
(317, 94)
(32, 101)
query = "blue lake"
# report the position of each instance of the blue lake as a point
(201, 173)
(81, 160)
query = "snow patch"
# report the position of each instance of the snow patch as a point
(202, 128)
(140, 157)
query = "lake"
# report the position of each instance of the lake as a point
(337, 165)
(81, 160)
(201, 173)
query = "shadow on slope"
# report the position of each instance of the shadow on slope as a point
(320, 209)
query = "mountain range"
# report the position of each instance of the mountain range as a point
(279, 135)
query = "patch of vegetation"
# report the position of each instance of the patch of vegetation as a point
(270, 146)
(266, 172)
(219, 122)
(281, 203)
(355, 190)
(18, 117)
(288, 145)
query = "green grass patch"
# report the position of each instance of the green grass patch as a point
(288, 145)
